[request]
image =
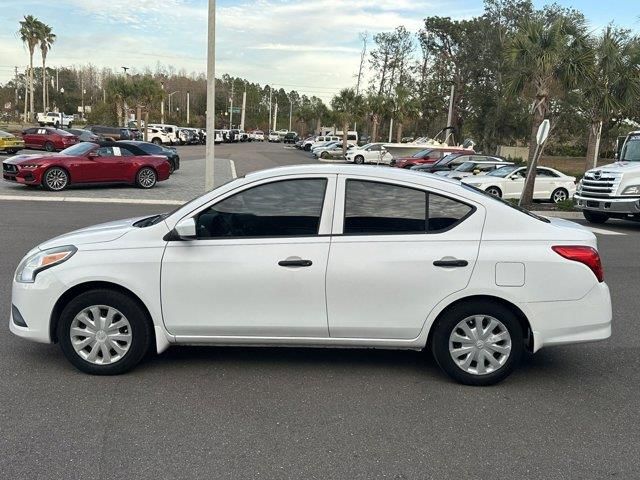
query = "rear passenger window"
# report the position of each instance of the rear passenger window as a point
(373, 208)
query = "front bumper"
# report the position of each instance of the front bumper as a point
(575, 321)
(25, 177)
(612, 205)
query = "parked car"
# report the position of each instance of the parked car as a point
(273, 137)
(428, 155)
(10, 143)
(54, 119)
(370, 153)
(323, 145)
(47, 138)
(613, 190)
(87, 162)
(467, 276)
(474, 167)
(258, 135)
(290, 137)
(84, 135)
(110, 133)
(323, 140)
(447, 163)
(333, 151)
(217, 137)
(508, 182)
(159, 136)
(171, 131)
(148, 148)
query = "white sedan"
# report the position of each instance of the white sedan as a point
(298, 255)
(508, 183)
(370, 153)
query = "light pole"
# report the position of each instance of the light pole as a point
(211, 98)
(290, 112)
(172, 93)
(188, 107)
(162, 104)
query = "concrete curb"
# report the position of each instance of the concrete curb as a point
(560, 214)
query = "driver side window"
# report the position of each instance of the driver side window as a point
(105, 152)
(277, 209)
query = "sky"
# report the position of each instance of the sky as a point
(312, 46)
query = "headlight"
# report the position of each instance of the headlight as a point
(632, 190)
(39, 261)
(31, 165)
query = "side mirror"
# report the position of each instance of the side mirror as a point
(185, 229)
(514, 177)
(93, 155)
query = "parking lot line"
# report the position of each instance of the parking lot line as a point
(51, 198)
(602, 231)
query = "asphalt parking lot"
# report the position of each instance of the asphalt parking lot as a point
(206, 412)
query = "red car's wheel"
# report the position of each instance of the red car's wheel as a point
(146, 177)
(49, 147)
(55, 179)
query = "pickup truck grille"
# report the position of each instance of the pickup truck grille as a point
(599, 184)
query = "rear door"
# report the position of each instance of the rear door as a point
(397, 250)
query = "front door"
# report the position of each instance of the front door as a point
(398, 250)
(109, 165)
(257, 266)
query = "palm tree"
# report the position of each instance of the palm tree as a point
(546, 57)
(376, 106)
(347, 107)
(29, 32)
(47, 37)
(405, 108)
(319, 110)
(119, 89)
(613, 83)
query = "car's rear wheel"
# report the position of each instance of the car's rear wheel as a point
(55, 179)
(495, 191)
(324, 155)
(359, 159)
(595, 217)
(478, 342)
(49, 147)
(172, 166)
(146, 177)
(104, 332)
(157, 141)
(559, 195)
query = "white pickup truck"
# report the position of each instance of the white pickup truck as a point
(55, 119)
(613, 191)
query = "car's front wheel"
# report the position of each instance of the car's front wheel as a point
(55, 179)
(104, 332)
(478, 342)
(359, 159)
(146, 178)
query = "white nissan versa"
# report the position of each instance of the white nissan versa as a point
(332, 256)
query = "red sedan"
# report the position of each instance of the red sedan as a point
(88, 162)
(427, 156)
(49, 139)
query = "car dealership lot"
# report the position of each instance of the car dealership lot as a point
(568, 412)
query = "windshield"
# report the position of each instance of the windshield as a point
(79, 149)
(466, 167)
(422, 153)
(631, 150)
(446, 159)
(503, 171)
(5, 134)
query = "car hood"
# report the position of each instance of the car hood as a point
(619, 167)
(104, 232)
(18, 159)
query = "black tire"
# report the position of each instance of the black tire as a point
(49, 147)
(307, 148)
(324, 155)
(141, 331)
(359, 159)
(451, 318)
(57, 125)
(495, 191)
(559, 195)
(157, 141)
(146, 178)
(172, 167)
(595, 217)
(55, 179)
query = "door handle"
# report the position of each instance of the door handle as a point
(295, 263)
(450, 262)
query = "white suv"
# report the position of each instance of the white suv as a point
(465, 275)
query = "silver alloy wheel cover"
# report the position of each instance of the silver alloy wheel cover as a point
(480, 344)
(493, 191)
(147, 177)
(559, 196)
(56, 179)
(100, 334)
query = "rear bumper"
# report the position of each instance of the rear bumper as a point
(577, 321)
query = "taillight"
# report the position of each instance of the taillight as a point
(588, 256)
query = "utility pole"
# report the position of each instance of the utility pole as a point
(188, 117)
(275, 117)
(233, 84)
(390, 129)
(244, 107)
(26, 94)
(211, 98)
(290, 112)
(82, 87)
(126, 108)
